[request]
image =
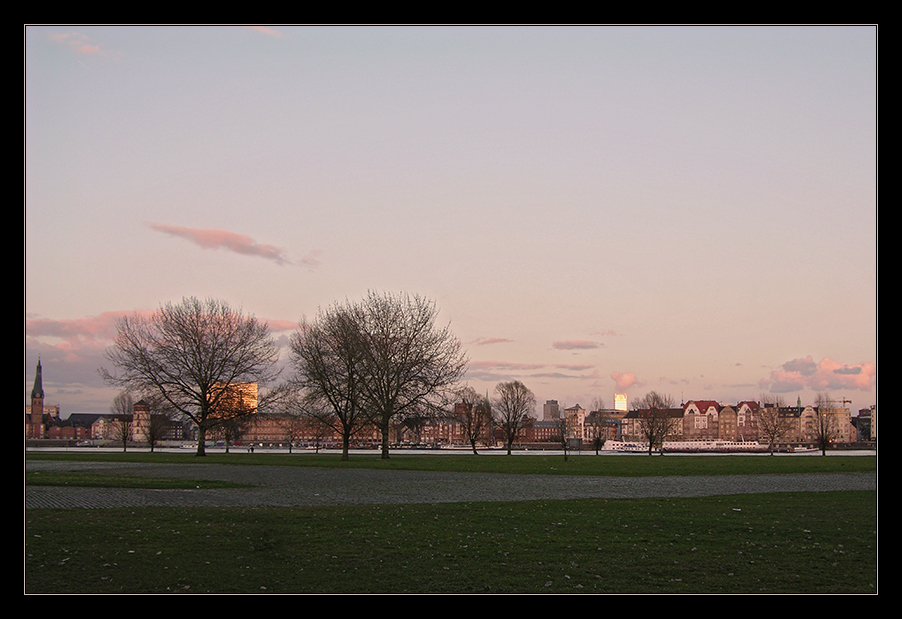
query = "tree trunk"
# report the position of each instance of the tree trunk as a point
(201, 441)
(385, 431)
(345, 445)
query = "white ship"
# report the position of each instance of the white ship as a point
(689, 446)
(714, 446)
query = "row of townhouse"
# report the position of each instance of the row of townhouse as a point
(707, 420)
(697, 420)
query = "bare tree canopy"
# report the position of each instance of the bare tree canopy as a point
(772, 422)
(513, 405)
(327, 354)
(826, 428)
(197, 356)
(122, 410)
(474, 413)
(412, 365)
(656, 418)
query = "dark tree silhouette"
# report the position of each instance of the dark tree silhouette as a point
(513, 405)
(411, 366)
(198, 357)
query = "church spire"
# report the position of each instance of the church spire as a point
(38, 391)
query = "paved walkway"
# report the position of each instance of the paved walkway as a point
(308, 486)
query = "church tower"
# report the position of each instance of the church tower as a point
(37, 405)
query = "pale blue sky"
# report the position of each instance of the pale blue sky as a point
(686, 209)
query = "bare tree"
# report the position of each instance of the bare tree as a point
(773, 423)
(411, 366)
(328, 357)
(826, 428)
(657, 418)
(596, 429)
(597, 404)
(157, 426)
(474, 413)
(194, 355)
(123, 411)
(293, 427)
(230, 430)
(513, 405)
(562, 434)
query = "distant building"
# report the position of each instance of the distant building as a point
(552, 410)
(866, 423)
(576, 419)
(38, 416)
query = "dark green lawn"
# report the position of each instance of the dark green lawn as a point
(817, 542)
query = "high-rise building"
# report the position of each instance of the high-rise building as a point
(552, 410)
(620, 402)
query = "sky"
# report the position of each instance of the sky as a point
(594, 210)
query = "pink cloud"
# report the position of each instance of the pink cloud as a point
(826, 375)
(484, 341)
(624, 380)
(267, 31)
(575, 345)
(72, 341)
(92, 328)
(101, 330)
(277, 326)
(230, 241)
(505, 365)
(80, 43)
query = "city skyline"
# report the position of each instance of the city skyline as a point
(594, 210)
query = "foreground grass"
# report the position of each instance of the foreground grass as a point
(768, 543)
(584, 464)
(92, 480)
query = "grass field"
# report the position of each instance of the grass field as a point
(584, 464)
(824, 542)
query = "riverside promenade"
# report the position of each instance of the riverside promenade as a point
(276, 486)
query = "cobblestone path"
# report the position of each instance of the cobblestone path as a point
(308, 486)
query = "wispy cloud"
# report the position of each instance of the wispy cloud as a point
(81, 340)
(91, 328)
(485, 341)
(270, 32)
(72, 341)
(79, 43)
(231, 241)
(575, 345)
(507, 370)
(825, 375)
(505, 365)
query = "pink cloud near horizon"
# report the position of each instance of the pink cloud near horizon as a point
(825, 375)
(98, 332)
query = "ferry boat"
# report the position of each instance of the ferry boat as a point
(689, 446)
(626, 446)
(714, 446)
